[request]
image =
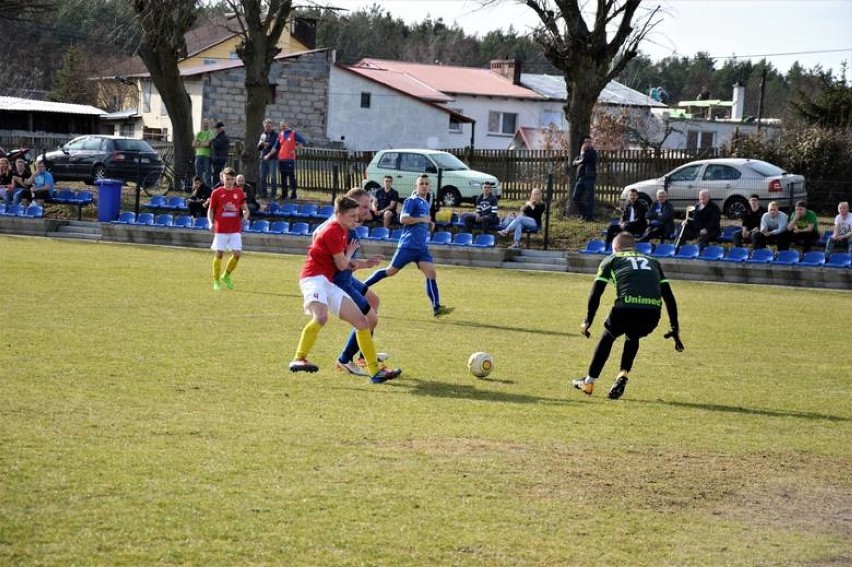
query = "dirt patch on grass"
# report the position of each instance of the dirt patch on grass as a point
(783, 491)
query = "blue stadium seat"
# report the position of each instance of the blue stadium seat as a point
(712, 253)
(183, 221)
(279, 227)
(594, 247)
(300, 229)
(395, 234)
(839, 260)
(177, 203)
(201, 224)
(85, 198)
(127, 217)
(688, 252)
(484, 240)
(728, 233)
(441, 237)
(33, 212)
(379, 233)
(65, 197)
(814, 259)
(259, 226)
(14, 211)
(787, 258)
(157, 202)
(306, 211)
(2, 209)
(288, 210)
(663, 250)
(164, 219)
(737, 254)
(146, 219)
(644, 247)
(761, 256)
(823, 239)
(462, 239)
(324, 212)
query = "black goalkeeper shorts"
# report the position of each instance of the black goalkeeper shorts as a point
(633, 322)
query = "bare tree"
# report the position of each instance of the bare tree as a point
(588, 57)
(164, 24)
(259, 23)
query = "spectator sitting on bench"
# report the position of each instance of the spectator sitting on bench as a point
(385, 202)
(632, 219)
(485, 216)
(751, 221)
(660, 218)
(773, 229)
(529, 219)
(251, 197)
(41, 184)
(803, 227)
(21, 175)
(841, 236)
(197, 200)
(705, 225)
(6, 180)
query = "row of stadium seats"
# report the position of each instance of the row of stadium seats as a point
(735, 255)
(263, 226)
(31, 212)
(71, 197)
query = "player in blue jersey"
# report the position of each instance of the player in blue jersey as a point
(416, 221)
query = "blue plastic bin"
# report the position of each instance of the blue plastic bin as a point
(109, 199)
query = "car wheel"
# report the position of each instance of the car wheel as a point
(449, 197)
(735, 207)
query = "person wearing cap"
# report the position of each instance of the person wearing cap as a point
(219, 148)
(485, 216)
(201, 143)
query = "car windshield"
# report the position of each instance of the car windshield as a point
(764, 169)
(132, 145)
(448, 162)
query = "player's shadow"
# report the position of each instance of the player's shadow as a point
(431, 388)
(744, 410)
(480, 325)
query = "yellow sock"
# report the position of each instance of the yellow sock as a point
(308, 338)
(232, 265)
(217, 268)
(368, 349)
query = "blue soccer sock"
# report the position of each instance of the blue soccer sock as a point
(377, 276)
(432, 293)
(350, 349)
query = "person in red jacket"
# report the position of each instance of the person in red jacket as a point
(284, 150)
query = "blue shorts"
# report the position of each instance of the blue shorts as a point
(357, 291)
(405, 256)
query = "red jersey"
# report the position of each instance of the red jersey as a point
(331, 240)
(287, 145)
(227, 210)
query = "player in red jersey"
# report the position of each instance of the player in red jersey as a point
(225, 216)
(330, 252)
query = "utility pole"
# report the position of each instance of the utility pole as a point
(762, 93)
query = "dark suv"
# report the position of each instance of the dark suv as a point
(88, 158)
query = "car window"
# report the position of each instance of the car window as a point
(449, 162)
(92, 144)
(132, 146)
(720, 172)
(413, 162)
(688, 173)
(764, 169)
(75, 144)
(388, 160)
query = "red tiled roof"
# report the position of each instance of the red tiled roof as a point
(445, 79)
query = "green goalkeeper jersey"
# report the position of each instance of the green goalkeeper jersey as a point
(637, 279)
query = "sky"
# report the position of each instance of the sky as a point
(810, 31)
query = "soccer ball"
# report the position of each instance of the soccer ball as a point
(480, 364)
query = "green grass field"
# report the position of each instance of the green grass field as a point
(147, 419)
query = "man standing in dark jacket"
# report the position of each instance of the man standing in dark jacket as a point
(584, 188)
(219, 147)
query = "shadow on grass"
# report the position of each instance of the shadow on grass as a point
(502, 328)
(431, 388)
(748, 411)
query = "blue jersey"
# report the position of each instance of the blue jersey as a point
(415, 236)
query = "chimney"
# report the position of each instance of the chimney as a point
(508, 68)
(739, 102)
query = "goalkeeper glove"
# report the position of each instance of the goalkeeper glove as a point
(674, 334)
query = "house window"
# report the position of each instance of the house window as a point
(502, 123)
(455, 125)
(549, 117)
(698, 140)
(127, 130)
(365, 100)
(146, 97)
